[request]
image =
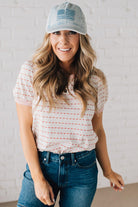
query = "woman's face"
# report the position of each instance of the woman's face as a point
(65, 44)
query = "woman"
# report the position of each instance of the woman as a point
(60, 97)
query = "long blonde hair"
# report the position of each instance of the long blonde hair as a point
(50, 80)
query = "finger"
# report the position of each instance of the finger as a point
(116, 188)
(121, 181)
(48, 200)
(43, 201)
(113, 185)
(119, 186)
(51, 195)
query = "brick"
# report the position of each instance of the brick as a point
(12, 195)
(21, 34)
(5, 11)
(5, 33)
(2, 195)
(113, 21)
(128, 32)
(111, 32)
(17, 44)
(131, 43)
(131, 61)
(14, 22)
(27, 12)
(110, 43)
(7, 3)
(117, 52)
(112, 3)
(135, 52)
(47, 5)
(132, 22)
(8, 184)
(122, 12)
(133, 4)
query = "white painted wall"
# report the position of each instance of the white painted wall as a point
(113, 26)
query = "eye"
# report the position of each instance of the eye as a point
(72, 32)
(56, 33)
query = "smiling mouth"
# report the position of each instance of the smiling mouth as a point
(64, 50)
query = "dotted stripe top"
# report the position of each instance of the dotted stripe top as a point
(62, 130)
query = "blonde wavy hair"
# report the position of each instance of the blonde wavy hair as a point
(50, 80)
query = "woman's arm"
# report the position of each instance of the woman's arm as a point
(116, 180)
(28, 143)
(42, 187)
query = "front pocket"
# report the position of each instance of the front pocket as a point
(84, 165)
(86, 161)
(27, 175)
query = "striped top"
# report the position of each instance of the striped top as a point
(62, 130)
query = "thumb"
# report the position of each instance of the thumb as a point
(51, 195)
(111, 184)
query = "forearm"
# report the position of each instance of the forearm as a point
(31, 153)
(102, 153)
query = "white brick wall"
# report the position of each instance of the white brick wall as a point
(113, 26)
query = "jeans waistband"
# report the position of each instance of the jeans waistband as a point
(47, 155)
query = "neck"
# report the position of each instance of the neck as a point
(66, 66)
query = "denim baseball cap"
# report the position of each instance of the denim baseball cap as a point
(66, 16)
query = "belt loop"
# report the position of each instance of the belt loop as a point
(73, 158)
(47, 157)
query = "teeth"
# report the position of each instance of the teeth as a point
(65, 49)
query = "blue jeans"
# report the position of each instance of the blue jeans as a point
(73, 174)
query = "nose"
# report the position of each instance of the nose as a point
(64, 38)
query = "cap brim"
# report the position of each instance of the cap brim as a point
(51, 30)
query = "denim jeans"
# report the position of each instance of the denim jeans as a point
(74, 175)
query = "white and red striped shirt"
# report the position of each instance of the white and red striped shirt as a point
(62, 130)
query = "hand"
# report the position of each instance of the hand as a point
(116, 180)
(44, 192)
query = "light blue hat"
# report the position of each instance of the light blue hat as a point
(66, 16)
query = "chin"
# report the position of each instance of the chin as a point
(65, 59)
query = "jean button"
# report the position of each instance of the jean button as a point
(62, 157)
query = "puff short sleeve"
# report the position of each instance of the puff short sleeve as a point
(23, 90)
(102, 93)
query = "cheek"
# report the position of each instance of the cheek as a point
(76, 41)
(76, 44)
(53, 42)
